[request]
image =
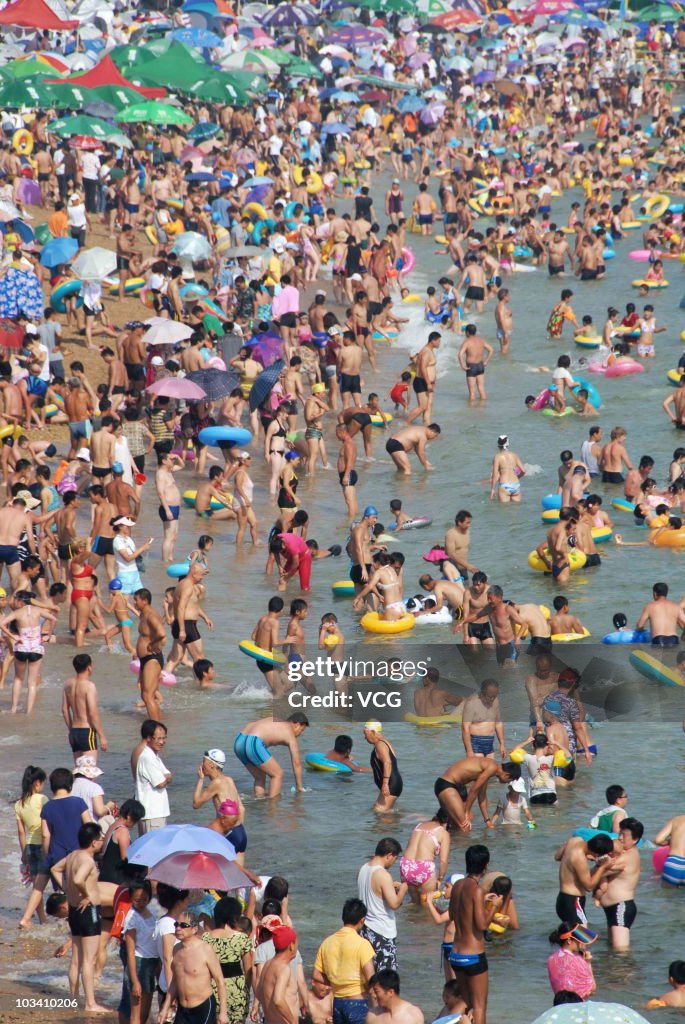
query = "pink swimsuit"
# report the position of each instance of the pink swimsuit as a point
(416, 872)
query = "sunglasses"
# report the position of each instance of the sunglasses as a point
(184, 924)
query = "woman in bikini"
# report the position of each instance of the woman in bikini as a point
(430, 839)
(81, 579)
(28, 647)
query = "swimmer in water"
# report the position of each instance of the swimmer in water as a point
(507, 470)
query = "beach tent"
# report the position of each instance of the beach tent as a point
(34, 14)
(106, 73)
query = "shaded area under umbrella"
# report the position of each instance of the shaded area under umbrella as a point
(215, 383)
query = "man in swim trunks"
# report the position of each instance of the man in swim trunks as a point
(457, 542)
(187, 609)
(347, 474)
(662, 617)
(481, 722)
(554, 550)
(432, 700)
(359, 548)
(151, 639)
(503, 619)
(539, 685)
(613, 457)
(80, 709)
(265, 636)
(251, 747)
(474, 355)
(575, 878)
(101, 532)
(194, 966)
(349, 370)
(411, 439)
(169, 500)
(454, 796)
(472, 916)
(424, 380)
(616, 892)
(673, 835)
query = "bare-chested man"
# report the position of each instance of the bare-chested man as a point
(13, 523)
(503, 619)
(80, 710)
(102, 445)
(554, 551)
(539, 685)
(575, 877)
(663, 617)
(451, 788)
(474, 355)
(251, 747)
(457, 541)
(507, 470)
(122, 495)
(481, 722)
(349, 370)
(616, 892)
(133, 352)
(151, 638)
(276, 987)
(101, 530)
(347, 474)
(359, 548)
(411, 439)
(390, 1008)
(265, 636)
(504, 320)
(169, 501)
(472, 911)
(432, 701)
(424, 380)
(78, 407)
(78, 873)
(673, 835)
(187, 606)
(194, 966)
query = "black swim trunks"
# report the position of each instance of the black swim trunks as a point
(621, 915)
(475, 370)
(475, 293)
(362, 418)
(158, 657)
(356, 573)
(350, 383)
(353, 478)
(81, 740)
(588, 275)
(480, 631)
(204, 1013)
(442, 784)
(83, 924)
(571, 908)
(419, 385)
(665, 641)
(591, 560)
(506, 652)
(393, 445)
(191, 630)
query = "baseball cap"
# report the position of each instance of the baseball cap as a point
(229, 808)
(373, 725)
(283, 937)
(355, 277)
(518, 786)
(395, 181)
(124, 521)
(83, 453)
(216, 755)
(86, 765)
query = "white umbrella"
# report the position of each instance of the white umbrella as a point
(192, 245)
(94, 264)
(167, 332)
(591, 1013)
(8, 211)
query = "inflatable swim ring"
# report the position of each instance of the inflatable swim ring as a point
(585, 341)
(255, 211)
(550, 515)
(216, 436)
(434, 722)
(151, 234)
(670, 539)
(320, 763)
(659, 858)
(651, 668)
(623, 369)
(600, 534)
(189, 500)
(628, 636)
(568, 411)
(588, 833)
(623, 505)
(416, 523)
(175, 204)
(576, 560)
(373, 623)
(133, 285)
(551, 501)
(674, 376)
(22, 142)
(408, 261)
(592, 392)
(566, 638)
(381, 419)
(656, 206)
(64, 291)
(649, 284)
(412, 297)
(259, 654)
(343, 588)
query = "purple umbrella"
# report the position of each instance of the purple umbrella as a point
(354, 35)
(483, 76)
(432, 114)
(290, 16)
(417, 59)
(267, 348)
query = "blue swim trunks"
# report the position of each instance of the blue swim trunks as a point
(250, 750)
(482, 744)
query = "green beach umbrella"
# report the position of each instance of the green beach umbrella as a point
(657, 12)
(225, 88)
(118, 96)
(152, 112)
(304, 69)
(26, 93)
(81, 124)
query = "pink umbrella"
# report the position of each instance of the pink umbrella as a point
(199, 871)
(177, 387)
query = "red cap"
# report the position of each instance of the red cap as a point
(282, 937)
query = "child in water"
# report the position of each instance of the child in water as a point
(512, 803)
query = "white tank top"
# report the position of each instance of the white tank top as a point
(588, 458)
(379, 918)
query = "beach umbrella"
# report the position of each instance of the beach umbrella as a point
(215, 383)
(458, 63)
(290, 16)
(95, 264)
(176, 387)
(32, 93)
(410, 104)
(200, 177)
(11, 334)
(583, 18)
(204, 131)
(162, 842)
(506, 87)
(260, 179)
(399, 6)
(256, 35)
(591, 1013)
(265, 383)
(432, 113)
(456, 19)
(374, 96)
(117, 96)
(25, 231)
(350, 36)
(245, 156)
(251, 59)
(199, 38)
(59, 250)
(153, 112)
(99, 108)
(167, 332)
(86, 142)
(336, 128)
(483, 77)
(200, 871)
(303, 69)
(192, 245)
(657, 12)
(239, 252)
(224, 88)
(81, 124)
(8, 210)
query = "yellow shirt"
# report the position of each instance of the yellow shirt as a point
(341, 958)
(29, 814)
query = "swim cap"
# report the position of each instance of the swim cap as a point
(373, 725)
(228, 808)
(216, 755)
(115, 584)
(291, 455)
(503, 441)
(370, 510)
(317, 389)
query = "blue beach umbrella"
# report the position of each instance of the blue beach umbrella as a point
(410, 104)
(59, 250)
(204, 131)
(198, 38)
(154, 846)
